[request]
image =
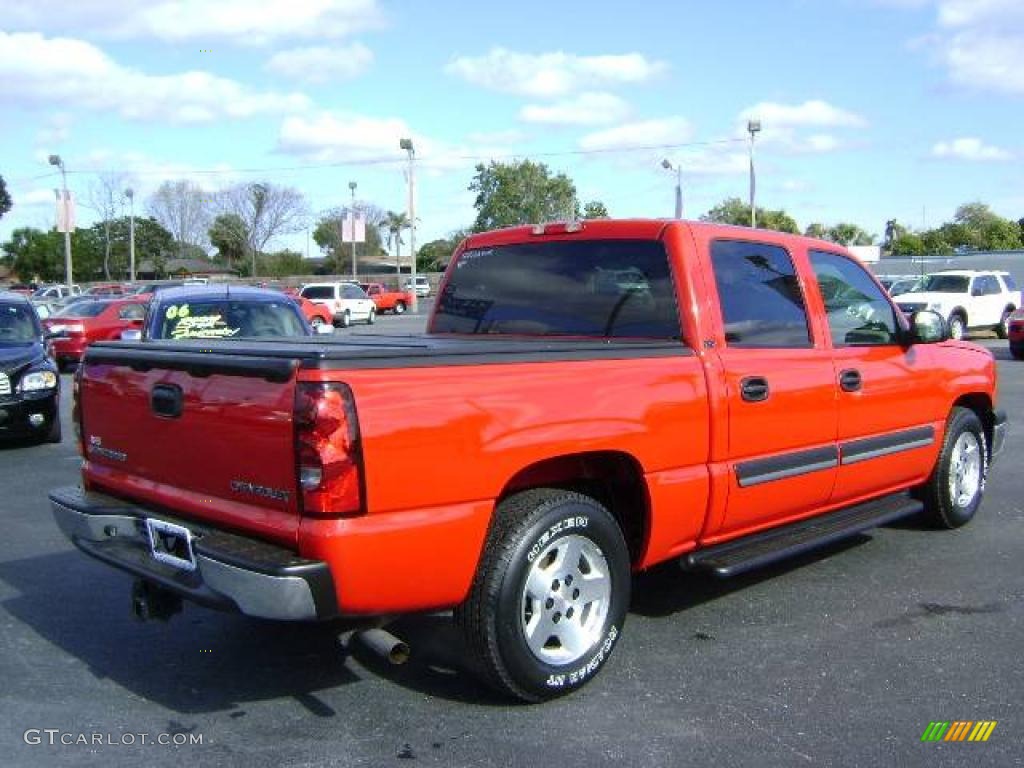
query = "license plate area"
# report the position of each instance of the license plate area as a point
(171, 544)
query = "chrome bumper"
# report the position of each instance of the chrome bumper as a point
(232, 572)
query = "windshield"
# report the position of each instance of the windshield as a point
(596, 288)
(18, 324)
(943, 284)
(228, 319)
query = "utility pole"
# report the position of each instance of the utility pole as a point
(130, 194)
(406, 144)
(679, 184)
(753, 127)
(352, 188)
(66, 208)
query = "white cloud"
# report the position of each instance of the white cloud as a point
(969, 148)
(55, 131)
(40, 71)
(329, 137)
(645, 133)
(235, 21)
(970, 13)
(321, 64)
(549, 75)
(814, 113)
(585, 109)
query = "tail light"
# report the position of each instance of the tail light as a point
(74, 328)
(328, 450)
(76, 409)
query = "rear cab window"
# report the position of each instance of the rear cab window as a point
(227, 319)
(590, 288)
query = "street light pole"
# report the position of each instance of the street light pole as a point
(753, 127)
(130, 194)
(352, 187)
(679, 184)
(55, 160)
(406, 144)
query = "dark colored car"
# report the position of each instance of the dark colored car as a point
(1015, 333)
(29, 384)
(222, 312)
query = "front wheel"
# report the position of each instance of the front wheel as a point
(346, 319)
(400, 308)
(372, 317)
(1017, 352)
(1003, 329)
(550, 596)
(316, 321)
(953, 493)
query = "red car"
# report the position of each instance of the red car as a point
(1015, 332)
(84, 322)
(316, 314)
(388, 299)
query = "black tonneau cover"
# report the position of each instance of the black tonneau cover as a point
(277, 359)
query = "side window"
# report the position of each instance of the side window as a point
(352, 292)
(132, 312)
(991, 285)
(1011, 284)
(858, 313)
(762, 305)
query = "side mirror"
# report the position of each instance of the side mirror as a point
(324, 329)
(131, 334)
(928, 327)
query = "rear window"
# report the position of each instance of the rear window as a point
(319, 292)
(597, 288)
(943, 284)
(226, 319)
(83, 309)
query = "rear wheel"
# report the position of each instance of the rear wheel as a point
(1003, 329)
(346, 319)
(1017, 352)
(316, 321)
(372, 317)
(53, 434)
(957, 327)
(400, 308)
(953, 493)
(550, 596)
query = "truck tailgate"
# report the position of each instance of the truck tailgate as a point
(214, 442)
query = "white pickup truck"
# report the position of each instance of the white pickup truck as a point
(968, 299)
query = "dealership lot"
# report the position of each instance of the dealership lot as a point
(842, 657)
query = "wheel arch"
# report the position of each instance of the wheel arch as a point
(613, 478)
(981, 404)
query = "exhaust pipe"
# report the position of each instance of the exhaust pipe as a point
(385, 645)
(150, 602)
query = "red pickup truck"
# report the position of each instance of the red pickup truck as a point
(591, 399)
(386, 299)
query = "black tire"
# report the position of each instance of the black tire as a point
(530, 529)
(957, 327)
(1003, 329)
(346, 319)
(372, 317)
(316, 321)
(399, 308)
(945, 508)
(1017, 353)
(53, 434)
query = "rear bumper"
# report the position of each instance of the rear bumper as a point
(232, 572)
(1000, 426)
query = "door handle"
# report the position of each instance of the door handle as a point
(849, 380)
(754, 389)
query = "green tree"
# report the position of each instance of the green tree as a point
(230, 237)
(328, 231)
(595, 209)
(435, 255)
(734, 211)
(35, 254)
(818, 230)
(5, 198)
(846, 233)
(282, 264)
(906, 243)
(524, 192)
(392, 226)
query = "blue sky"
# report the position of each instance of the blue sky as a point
(871, 109)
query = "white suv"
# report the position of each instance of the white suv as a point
(422, 286)
(967, 299)
(347, 302)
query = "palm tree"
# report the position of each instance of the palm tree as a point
(392, 225)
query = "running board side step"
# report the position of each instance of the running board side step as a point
(759, 549)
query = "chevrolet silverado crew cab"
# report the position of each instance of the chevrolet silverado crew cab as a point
(590, 399)
(969, 300)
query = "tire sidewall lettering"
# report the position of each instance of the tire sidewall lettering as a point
(566, 524)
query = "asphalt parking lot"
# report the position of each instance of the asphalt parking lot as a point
(839, 658)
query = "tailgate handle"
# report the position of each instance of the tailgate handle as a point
(167, 400)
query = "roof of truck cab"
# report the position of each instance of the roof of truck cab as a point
(638, 229)
(221, 291)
